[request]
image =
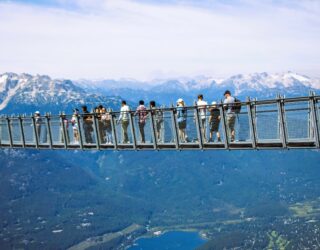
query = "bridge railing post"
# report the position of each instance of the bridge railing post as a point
(96, 129)
(9, 131)
(174, 127)
(80, 131)
(35, 131)
(23, 139)
(283, 130)
(63, 130)
(132, 128)
(315, 121)
(310, 118)
(198, 125)
(153, 129)
(48, 117)
(224, 126)
(252, 122)
(113, 131)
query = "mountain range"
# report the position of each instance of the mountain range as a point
(55, 199)
(40, 92)
(257, 85)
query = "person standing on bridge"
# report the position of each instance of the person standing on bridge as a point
(158, 121)
(214, 121)
(124, 120)
(228, 104)
(202, 108)
(87, 124)
(182, 120)
(143, 114)
(75, 127)
(106, 120)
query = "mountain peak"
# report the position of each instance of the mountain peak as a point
(42, 91)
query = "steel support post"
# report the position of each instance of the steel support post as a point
(35, 132)
(283, 130)
(198, 125)
(114, 133)
(131, 123)
(49, 130)
(96, 130)
(252, 122)
(80, 131)
(313, 104)
(174, 127)
(64, 133)
(225, 132)
(9, 131)
(153, 132)
(23, 139)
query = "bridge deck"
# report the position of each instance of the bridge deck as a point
(278, 123)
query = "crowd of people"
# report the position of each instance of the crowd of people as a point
(102, 119)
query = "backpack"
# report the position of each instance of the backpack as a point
(182, 114)
(236, 106)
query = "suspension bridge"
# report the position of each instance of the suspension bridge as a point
(264, 124)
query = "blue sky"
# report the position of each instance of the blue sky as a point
(147, 39)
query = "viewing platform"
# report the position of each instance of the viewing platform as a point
(267, 124)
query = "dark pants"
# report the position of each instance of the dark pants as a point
(87, 127)
(38, 129)
(141, 129)
(102, 133)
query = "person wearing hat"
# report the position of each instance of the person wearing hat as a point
(230, 114)
(182, 120)
(214, 121)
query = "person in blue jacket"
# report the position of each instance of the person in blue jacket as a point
(182, 120)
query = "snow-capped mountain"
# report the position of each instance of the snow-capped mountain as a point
(261, 85)
(242, 83)
(289, 82)
(24, 93)
(21, 93)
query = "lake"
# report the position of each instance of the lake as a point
(170, 241)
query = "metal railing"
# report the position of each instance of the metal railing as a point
(279, 123)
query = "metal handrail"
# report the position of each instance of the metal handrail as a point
(282, 107)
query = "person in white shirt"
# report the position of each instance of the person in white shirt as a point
(75, 127)
(228, 104)
(124, 120)
(202, 107)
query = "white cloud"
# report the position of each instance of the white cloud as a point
(131, 39)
